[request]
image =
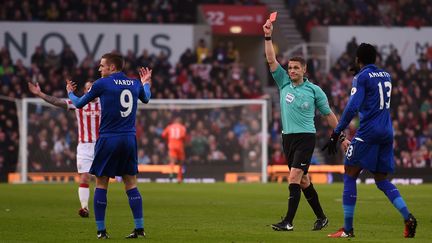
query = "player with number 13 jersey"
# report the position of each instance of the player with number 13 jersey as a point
(372, 146)
(370, 96)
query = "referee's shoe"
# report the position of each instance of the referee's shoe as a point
(282, 226)
(320, 224)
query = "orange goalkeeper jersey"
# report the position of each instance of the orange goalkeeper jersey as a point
(175, 134)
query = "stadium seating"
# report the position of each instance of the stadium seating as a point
(412, 134)
(169, 11)
(411, 99)
(365, 13)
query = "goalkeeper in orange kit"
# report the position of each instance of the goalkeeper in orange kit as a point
(175, 133)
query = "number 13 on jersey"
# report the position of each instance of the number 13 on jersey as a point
(387, 85)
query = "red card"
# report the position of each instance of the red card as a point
(273, 16)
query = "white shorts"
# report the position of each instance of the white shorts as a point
(85, 155)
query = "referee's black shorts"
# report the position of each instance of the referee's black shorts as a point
(298, 149)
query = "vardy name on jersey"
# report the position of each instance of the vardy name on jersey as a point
(123, 82)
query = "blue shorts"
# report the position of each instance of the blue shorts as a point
(373, 157)
(115, 156)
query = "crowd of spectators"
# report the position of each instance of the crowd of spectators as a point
(159, 11)
(226, 135)
(215, 135)
(9, 137)
(309, 14)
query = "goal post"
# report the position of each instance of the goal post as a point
(210, 125)
(23, 150)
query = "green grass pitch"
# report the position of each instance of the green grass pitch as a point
(205, 213)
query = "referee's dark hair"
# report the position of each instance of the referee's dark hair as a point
(299, 59)
(366, 54)
(114, 58)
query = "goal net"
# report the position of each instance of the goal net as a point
(224, 137)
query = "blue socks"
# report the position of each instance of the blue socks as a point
(135, 203)
(394, 196)
(100, 204)
(349, 201)
(350, 197)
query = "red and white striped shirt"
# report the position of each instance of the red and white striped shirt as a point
(88, 119)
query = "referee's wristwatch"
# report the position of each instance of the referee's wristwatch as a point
(267, 38)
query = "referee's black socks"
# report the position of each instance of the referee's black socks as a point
(312, 197)
(293, 202)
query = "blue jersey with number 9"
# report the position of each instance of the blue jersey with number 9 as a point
(118, 97)
(370, 97)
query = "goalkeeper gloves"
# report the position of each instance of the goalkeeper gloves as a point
(331, 145)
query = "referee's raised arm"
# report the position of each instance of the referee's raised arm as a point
(269, 50)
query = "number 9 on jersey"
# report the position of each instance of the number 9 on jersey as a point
(127, 102)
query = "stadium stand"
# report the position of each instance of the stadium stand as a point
(222, 78)
(219, 75)
(166, 11)
(309, 14)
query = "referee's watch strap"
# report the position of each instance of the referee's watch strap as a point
(267, 38)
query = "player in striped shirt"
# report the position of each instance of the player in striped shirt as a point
(88, 119)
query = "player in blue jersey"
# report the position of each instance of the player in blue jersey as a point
(116, 147)
(372, 146)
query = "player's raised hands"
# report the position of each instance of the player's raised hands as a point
(34, 88)
(145, 75)
(268, 28)
(70, 86)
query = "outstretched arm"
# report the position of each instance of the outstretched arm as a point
(36, 90)
(268, 44)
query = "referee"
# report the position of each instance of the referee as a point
(298, 99)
